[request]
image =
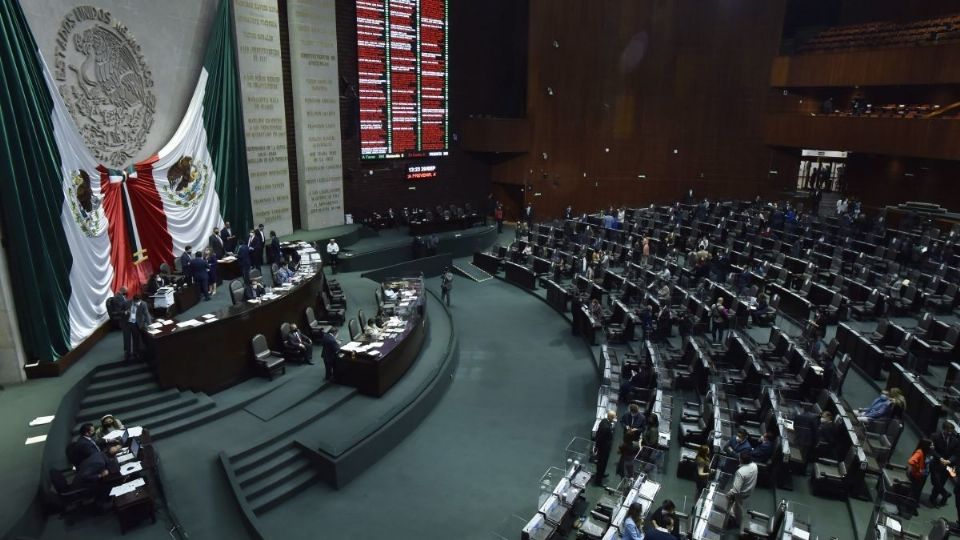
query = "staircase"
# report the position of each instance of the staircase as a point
(131, 393)
(828, 203)
(472, 272)
(272, 474)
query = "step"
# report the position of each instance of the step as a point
(119, 383)
(283, 492)
(289, 472)
(304, 413)
(258, 470)
(473, 272)
(188, 410)
(133, 417)
(201, 418)
(131, 392)
(119, 408)
(106, 374)
(248, 459)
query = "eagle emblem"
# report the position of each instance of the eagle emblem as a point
(84, 204)
(186, 182)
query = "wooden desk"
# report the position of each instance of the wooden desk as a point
(214, 356)
(134, 507)
(374, 375)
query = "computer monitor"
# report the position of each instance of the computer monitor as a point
(124, 437)
(135, 447)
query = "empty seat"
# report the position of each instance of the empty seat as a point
(268, 362)
(836, 478)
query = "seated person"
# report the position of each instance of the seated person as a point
(762, 308)
(663, 294)
(881, 407)
(84, 446)
(764, 451)
(299, 345)
(253, 289)
(108, 423)
(373, 330)
(282, 275)
(665, 519)
(597, 311)
(98, 472)
(738, 444)
(633, 422)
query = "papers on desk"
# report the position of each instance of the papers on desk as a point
(41, 420)
(270, 296)
(357, 347)
(189, 324)
(893, 524)
(787, 423)
(129, 487)
(800, 533)
(130, 468)
(123, 458)
(135, 431)
(113, 435)
(228, 259)
(649, 490)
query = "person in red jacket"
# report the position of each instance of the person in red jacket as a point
(917, 467)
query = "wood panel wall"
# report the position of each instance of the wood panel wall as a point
(648, 100)
(935, 138)
(930, 64)
(888, 180)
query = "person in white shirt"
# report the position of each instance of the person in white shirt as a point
(744, 482)
(333, 250)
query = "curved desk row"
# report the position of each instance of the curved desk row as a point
(374, 365)
(215, 355)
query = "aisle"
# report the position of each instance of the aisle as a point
(524, 387)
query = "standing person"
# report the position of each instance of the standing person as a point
(603, 445)
(215, 243)
(243, 258)
(528, 214)
(185, 263)
(718, 320)
(498, 215)
(329, 347)
(212, 278)
(122, 305)
(260, 241)
(333, 251)
(489, 209)
(229, 239)
(917, 468)
(744, 482)
(633, 422)
(945, 446)
(273, 250)
(702, 462)
(568, 212)
(201, 274)
(446, 283)
(140, 319)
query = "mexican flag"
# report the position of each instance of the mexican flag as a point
(76, 230)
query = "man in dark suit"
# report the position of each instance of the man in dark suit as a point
(215, 243)
(256, 247)
(329, 349)
(229, 240)
(528, 214)
(200, 270)
(274, 255)
(604, 444)
(946, 445)
(243, 258)
(85, 445)
(117, 308)
(764, 451)
(139, 319)
(300, 345)
(185, 258)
